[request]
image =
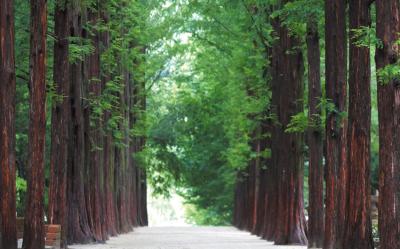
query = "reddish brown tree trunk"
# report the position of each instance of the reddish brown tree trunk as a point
(288, 73)
(108, 152)
(241, 204)
(265, 163)
(316, 169)
(78, 224)
(94, 149)
(388, 29)
(127, 150)
(8, 235)
(60, 124)
(336, 76)
(358, 230)
(252, 186)
(34, 217)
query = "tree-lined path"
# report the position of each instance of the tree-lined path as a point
(186, 238)
(278, 117)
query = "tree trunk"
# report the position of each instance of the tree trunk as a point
(8, 233)
(336, 76)
(358, 230)
(60, 124)
(34, 218)
(95, 143)
(265, 144)
(288, 73)
(316, 169)
(108, 151)
(78, 223)
(388, 29)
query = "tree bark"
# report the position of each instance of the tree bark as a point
(95, 142)
(34, 218)
(78, 223)
(8, 233)
(60, 124)
(265, 143)
(316, 169)
(358, 229)
(387, 29)
(288, 71)
(336, 77)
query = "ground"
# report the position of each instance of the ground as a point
(186, 238)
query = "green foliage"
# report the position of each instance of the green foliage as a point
(21, 187)
(79, 48)
(389, 73)
(299, 123)
(206, 100)
(365, 37)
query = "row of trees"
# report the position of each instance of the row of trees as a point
(96, 186)
(269, 194)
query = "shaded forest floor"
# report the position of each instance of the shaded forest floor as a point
(186, 238)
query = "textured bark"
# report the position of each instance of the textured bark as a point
(265, 163)
(108, 152)
(252, 186)
(358, 229)
(34, 217)
(95, 142)
(128, 160)
(78, 224)
(388, 28)
(336, 75)
(271, 199)
(8, 234)
(316, 169)
(240, 200)
(143, 200)
(60, 124)
(288, 74)
(109, 183)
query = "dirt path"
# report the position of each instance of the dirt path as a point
(186, 238)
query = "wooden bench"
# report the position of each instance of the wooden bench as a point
(52, 237)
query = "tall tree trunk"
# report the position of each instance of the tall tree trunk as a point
(316, 169)
(108, 150)
(265, 163)
(358, 230)
(336, 76)
(34, 218)
(95, 142)
(78, 223)
(288, 73)
(60, 124)
(8, 233)
(252, 186)
(388, 29)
